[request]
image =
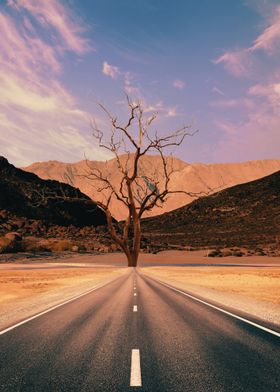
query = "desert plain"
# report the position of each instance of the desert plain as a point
(249, 285)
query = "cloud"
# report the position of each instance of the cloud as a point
(239, 62)
(110, 70)
(22, 53)
(269, 39)
(268, 96)
(128, 79)
(39, 118)
(233, 103)
(257, 135)
(217, 91)
(130, 86)
(161, 109)
(179, 84)
(135, 92)
(15, 91)
(52, 14)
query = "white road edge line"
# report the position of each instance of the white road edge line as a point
(271, 331)
(135, 308)
(135, 371)
(54, 307)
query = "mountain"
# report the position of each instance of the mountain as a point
(196, 178)
(244, 215)
(25, 195)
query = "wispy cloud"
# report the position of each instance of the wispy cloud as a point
(239, 62)
(135, 92)
(216, 90)
(128, 81)
(179, 84)
(161, 109)
(269, 39)
(39, 118)
(55, 16)
(258, 133)
(110, 70)
(233, 103)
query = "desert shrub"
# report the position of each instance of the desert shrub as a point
(81, 247)
(215, 253)
(60, 246)
(4, 244)
(227, 253)
(8, 245)
(33, 244)
(238, 253)
(30, 244)
(261, 253)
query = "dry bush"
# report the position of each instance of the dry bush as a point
(8, 245)
(60, 245)
(4, 244)
(238, 253)
(227, 253)
(215, 253)
(33, 244)
(30, 244)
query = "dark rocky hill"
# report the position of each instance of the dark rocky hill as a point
(246, 215)
(26, 196)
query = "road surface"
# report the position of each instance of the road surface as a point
(137, 334)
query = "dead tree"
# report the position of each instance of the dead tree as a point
(137, 191)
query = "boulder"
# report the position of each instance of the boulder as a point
(13, 236)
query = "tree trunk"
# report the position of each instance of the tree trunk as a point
(132, 260)
(136, 239)
(132, 254)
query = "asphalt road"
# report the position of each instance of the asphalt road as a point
(149, 335)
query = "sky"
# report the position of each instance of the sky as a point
(210, 64)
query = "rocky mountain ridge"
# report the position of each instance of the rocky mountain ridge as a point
(246, 215)
(196, 178)
(39, 210)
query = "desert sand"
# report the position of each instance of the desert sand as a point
(249, 284)
(27, 291)
(169, 257)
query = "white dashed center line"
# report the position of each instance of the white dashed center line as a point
(135, 372)
(135, 308)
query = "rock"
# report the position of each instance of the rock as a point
(3, 162)
(3, 214)
(114, 247)
(13, 236)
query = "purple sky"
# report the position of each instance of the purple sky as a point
(214, 64)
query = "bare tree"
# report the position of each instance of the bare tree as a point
(137, 191)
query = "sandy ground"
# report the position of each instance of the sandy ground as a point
(29, 291)
(177, 257)
(252, 290)
(172, 257)
(28, 286)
